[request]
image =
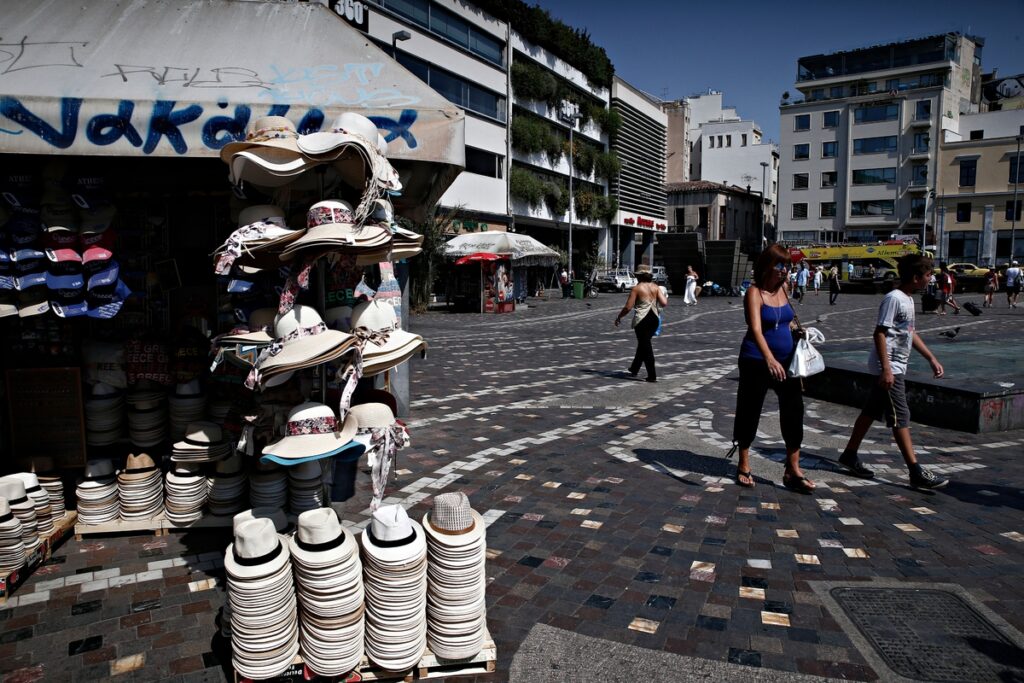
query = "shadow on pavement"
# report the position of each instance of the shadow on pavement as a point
(1004, 654)
(973, 493)
(612, 374)
(678, 463)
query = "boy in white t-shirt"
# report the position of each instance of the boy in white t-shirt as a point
(1013, 284)
(890, 354)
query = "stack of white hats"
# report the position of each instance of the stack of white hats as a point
(12, 546)
(187, 491)
(203, 442)
(54, 488)
(329, 580)
(104, 416)
(40, 499)
(227, 487)
(456, 583)
(97, 493)
(275, 515)
(187, 405)
(305, 487)
(264, 623)
(140, 488)
(395, 578)
(268, 486)
(23, 508)
(147, 418)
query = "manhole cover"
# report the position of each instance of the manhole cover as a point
(931, 635)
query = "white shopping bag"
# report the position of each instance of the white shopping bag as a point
(807, 360)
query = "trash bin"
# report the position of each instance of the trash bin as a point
(577, 289)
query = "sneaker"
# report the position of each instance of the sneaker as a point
(852, 463)
(926, 479)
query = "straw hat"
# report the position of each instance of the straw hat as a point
(312, 432)
(275, 132)
(302, 340)
(453, 521)
(392, 537)
(258, 550)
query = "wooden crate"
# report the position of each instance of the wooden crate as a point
(61, 529)
(428, 667)
(159, 525)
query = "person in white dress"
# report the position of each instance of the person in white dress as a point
(690, 298)
(818, 277)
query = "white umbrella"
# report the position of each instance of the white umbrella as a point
(521, 249)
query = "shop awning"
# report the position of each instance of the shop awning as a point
(178, 78)
(522, 249)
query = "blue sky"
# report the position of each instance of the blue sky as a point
(749, 50)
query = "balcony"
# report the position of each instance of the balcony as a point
(921, 121)
(920, 152)
(917, 186)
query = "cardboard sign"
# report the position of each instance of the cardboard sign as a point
(45, 407)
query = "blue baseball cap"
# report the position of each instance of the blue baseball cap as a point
(72, 282)
(106, 302)
(105, 276)
(30, 280)
(71, 310)
(24, 228)
(26, 254)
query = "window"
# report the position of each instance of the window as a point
(835, 91)
(828, 209)
(968, 172)
(743, 140)
(874, 176)
(461, 92)
(1010, 214)
(863, 88)
(711, 141)
(963, 212)
(720, 141)
(919, 174)
(830, 119)
(799, 181)
(892, 84)
(450, 26)
(829, 149)
(802, 122)
(799, 211)
(921, 142)
(874, 145)
(923, 111)
(728, 141)
(881, 112)
(873, 207)
(917, 206)
(818, 94)
(484, 163)
(977, 134)
(801, 152)
(963, 246)
(828, 179)
(1016, 169)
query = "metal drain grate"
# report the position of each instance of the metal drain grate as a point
(931, 635)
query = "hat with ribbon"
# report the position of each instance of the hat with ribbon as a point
(332, 225)
(276, 132)
(392, 537)
(313, 432)
(301, 340)
(262, 233)
(257, 551)
(453, 521)
(384, 344)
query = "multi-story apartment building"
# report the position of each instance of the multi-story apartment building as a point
(981, 188)
(719, 146)
(639, 186)
(859, 148)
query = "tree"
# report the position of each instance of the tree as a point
(424, 269)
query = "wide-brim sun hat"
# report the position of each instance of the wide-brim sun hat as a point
(312, 429)
(276, 132)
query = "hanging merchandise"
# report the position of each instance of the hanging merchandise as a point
(301, 340)
(312, 432)
(257, 243)
(383, 436)
(386, 345)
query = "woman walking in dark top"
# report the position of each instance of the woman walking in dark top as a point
(646, 300)
(765, 354)
(833, 285)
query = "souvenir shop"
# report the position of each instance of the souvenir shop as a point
(204, 329)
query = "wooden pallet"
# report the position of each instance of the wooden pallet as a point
(61, 529)
(429, 667)
(159, 525)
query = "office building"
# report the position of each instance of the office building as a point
(859, 145)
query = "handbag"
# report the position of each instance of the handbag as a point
(657, 331)
(807, 360)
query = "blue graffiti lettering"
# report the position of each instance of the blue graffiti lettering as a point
(311, 122)
(12, 108)
(106, 129)
(234, 126)
(278, 110)
(402, 128)
(165, 122)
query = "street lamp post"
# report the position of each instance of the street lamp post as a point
(924, 226)
(764, 169)
(1013, 207)
(395, 37)
(571, 114)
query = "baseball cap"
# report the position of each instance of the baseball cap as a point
(63, 256)
(104, 276)
(23, 228)
(64, 282)
(33, 302)
(8, 304)
(93, 254)
(96, 220)
(105, 302)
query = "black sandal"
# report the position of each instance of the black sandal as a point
(797, 484)
(749, 475)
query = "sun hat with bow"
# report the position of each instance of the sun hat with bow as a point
(313, 432)
(262, 232)
(301, 340)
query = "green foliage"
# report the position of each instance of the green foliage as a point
(611, 206)
(532, 135)
(424, 269)
(583, 156)
(570, 44)
(607, 165)
(531, 82)
(526, 186)
(556, 198)
(608, 120)
(591, 261)
(590, 206)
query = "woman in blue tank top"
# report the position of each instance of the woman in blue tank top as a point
(765, 354)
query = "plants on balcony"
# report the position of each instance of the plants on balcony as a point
(533, 135)
(607, 165)
(526, 186)
(531, 82)
(583, 156)
(556, 198)
(608, 120)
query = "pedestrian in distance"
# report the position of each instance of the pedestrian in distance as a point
(991, 286)
(690, 297)
(563, 280)
(802, 277)
(849, 271)
(818, 277)
(833, 285)
(1013, 284)
(947, 288)
(646, 300)
(894, 336)
(765, 353)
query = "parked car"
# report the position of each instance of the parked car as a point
(660, 276)
(615, 280)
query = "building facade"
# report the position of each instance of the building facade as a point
(716, 211)
(981, 189)
(639, 186)
(859, 147)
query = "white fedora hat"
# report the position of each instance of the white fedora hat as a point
(275, 515)
(98, 473)
(320, 539)
(312, 431)
(13, 489)
(453, 521)
(393, 538)
(257, 551)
